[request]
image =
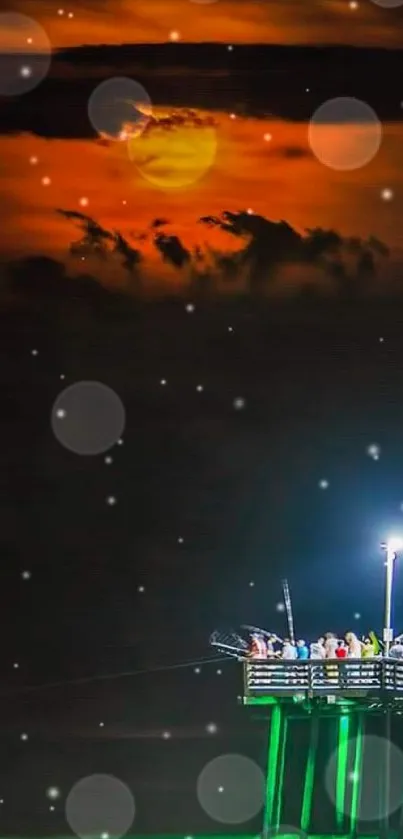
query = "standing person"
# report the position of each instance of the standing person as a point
(368, 648)
(258, 648)
(341, 650)
(289, 652)
(317, 649)
(331, 644)
(396, 650)
(271, 653)
(302, 651)
(354, 645)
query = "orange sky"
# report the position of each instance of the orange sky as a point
(230, 21)
(246, 171)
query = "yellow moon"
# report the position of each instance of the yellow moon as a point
(176, 156)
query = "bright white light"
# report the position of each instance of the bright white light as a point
(53, 793)
(211, 728)
(374, 451)
(394, 545)
(280, 607)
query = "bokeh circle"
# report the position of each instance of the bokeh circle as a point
(388, 4)
(88, 418)
(231, 789)
(100, 804)
(25, 54)
(345, 133)
(119, 108)
(372, 807)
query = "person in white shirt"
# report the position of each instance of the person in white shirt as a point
(317, 649)
(331, 644)
(354, 645)
(289, 651)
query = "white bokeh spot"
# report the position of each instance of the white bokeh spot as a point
(88, 418)
(231, 789)
(119, 108)
(372, 806)
(100, 804)
(25, 54)
(345, 133)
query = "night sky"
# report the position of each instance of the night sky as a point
(201, 360)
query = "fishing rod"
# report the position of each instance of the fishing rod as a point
(288, 609)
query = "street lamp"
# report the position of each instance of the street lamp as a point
(391, 548)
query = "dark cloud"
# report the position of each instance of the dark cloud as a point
(267, 249)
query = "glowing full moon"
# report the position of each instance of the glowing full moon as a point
(174, 155)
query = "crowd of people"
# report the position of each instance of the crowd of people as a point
(327, 646)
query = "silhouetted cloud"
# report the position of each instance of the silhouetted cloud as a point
(272, 244)
(172, 250)
(267, 248)
(95, 240)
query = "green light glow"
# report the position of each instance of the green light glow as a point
(272, 767)
(310, 776)
(341, 772)
(356, 782)
(231, 836)
(280, 780)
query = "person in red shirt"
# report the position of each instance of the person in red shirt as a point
(341, 650)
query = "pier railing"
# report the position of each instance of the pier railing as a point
(339, 676)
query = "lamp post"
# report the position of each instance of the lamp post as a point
(391, 548)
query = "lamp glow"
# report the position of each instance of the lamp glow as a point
(391, 548)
